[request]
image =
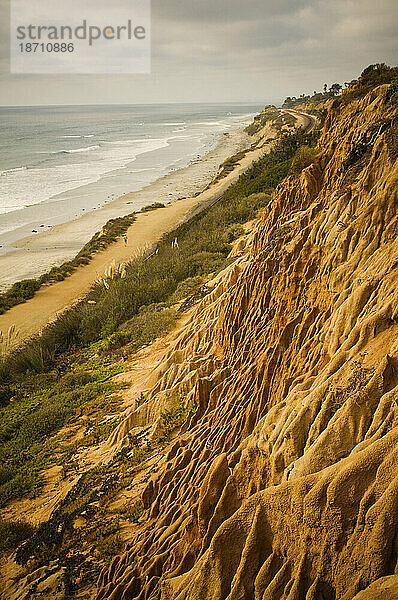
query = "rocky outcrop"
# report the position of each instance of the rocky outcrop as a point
(284, 483)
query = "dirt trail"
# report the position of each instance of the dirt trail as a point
(29, 318)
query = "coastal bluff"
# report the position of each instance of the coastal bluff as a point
(253, 449)
(284, 483)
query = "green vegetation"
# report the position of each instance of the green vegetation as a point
(111, 478)
(171, 419)
(57, 392)
(316, 97)
(184, 289)
(25, 289)
(371, 77)
(90, 498)
(151, 322)
(134, 512)
(13, 533)
(153, 206)
(107, 539)
(302, 159)
(229, 165)
(29, 441)
(233, 232)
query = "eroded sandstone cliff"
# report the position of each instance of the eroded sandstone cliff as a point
(284, 482)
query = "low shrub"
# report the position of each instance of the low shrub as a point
(6, 473)
(13, 533)
(5, 394)
(44, 421)
(134, 512)
(233, 232)
(26, 483)
(18, 293)
(172, 419)
(70, 382)
(229, 165)
(24, 290)
(32, 357)
(114, 341)
(302, 159)
(152, 206)
(150, 323)
(185, 288)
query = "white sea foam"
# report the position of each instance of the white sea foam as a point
(66, 137)
(172, 124)
(60, 162)
(15, 170)
(129, 142)
(211, 123)
(24, 187)
(87, 149)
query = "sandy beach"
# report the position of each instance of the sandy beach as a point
(37, 253)
(30, 317)
(181, 190)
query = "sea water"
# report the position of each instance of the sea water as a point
(58, 162)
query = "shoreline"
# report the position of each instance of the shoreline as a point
(35, 254)
(30, 317)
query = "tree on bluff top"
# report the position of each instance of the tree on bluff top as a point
(377, 74)
(335, 88)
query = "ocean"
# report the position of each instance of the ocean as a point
(58, 162)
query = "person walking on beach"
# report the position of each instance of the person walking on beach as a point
(125, 239)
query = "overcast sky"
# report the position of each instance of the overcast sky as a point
(228, 50)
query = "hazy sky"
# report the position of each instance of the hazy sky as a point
(228, 50)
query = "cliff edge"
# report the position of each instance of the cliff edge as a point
(283, 483)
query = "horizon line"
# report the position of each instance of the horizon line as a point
(254, 102)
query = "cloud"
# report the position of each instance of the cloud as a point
(261, 50)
